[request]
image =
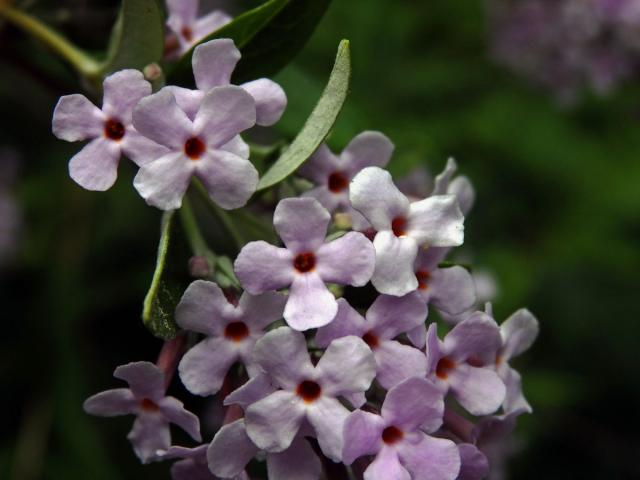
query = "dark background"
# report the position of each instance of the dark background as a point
(557, 221)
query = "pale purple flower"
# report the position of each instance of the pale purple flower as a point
(192, 464)
(109, 130)
(188, 27)
(460, 186)
(387, 318)
(146, 399)
(306, 263)
(213, 63)
(231, 332)
(309, 394)
(397, 438)
(451, 364)
(197, 148)
(474, 464)
(403, 227)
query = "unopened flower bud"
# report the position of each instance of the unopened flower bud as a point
(152, 72)
(199, 267)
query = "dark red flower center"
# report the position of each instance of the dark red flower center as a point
(423, 279)
(304, 262)
(399, 226)
(391, 435)
(113, 129)
(236, 331)
(371, 339)
(309, 391)
(194, 148)
(187, 33)
(149, 405)
(338, 182)
(443, 368)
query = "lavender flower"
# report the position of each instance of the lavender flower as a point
(474, 464)
(402, 227)
(459, 185)
(193, 464)
(306, 263)
(146, 399)
(396, 437)
(109, 130)
(231, 332)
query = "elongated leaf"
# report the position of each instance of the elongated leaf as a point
(137, 38)
(319, 123)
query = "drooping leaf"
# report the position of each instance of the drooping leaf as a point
(319, 123)
(137, 38)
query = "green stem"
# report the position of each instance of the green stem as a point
(80, 60)
(196, 240)
(222, 216)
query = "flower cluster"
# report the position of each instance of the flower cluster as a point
(568, 45)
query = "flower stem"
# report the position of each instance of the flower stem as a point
(196, 240)
(222, 216)
(169, 356)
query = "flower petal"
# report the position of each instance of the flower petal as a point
(327, 416)
(95, 167)
(204, 366)
(348, 260)
(418, 336)
(214, 62)
(230, 450)
(374, 195)
(320, 165)
(298, 462)
(362, 434)
(477, 335)
(394, 274)
(442, 180)
(413, 403)
(163, 182)
(433, 348)
(329, 200)
(203, 308)
(347, 366)
(273, 422)
(397, 362)
(474, 463)
(238, 146)
(453, 290)
(518, 332)
(479, 390)
(261, 267)
(159, 118)
(149, 434)
(463, 189)
(122, 92)
(436, 221)
(140, 149)
(514, 399)
(111, 403)
(390, 316)
(346, 322)
(75, 118)
(254, 389)
(188, 100)
(145, 379)
(269, 98)
(386, 466)
(174, 411)
(301, 223)
(310, 303)
(431, 458)
(229, 179)
(259, 311)
(209, 23)
(185, 10)
(367, 149)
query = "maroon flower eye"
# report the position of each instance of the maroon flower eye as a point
(391, 435)
(423, 279)
(444, 367)
(194, 148)
(338, 182)
(309, 391)
(149, 405)
(305, 262)
(371, 339)
(236, 331)
(187, 33)
(399, 226)
(113, 129)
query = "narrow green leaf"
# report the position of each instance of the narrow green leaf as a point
(137, 38)
(319, 123)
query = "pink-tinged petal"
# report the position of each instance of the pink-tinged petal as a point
(429, 258)
(479, 390)
(230, 450)
(357, 399)
(282, 353)
(298, 462)
(362, 435)
(75, 118)
(436, 221)
(214, 62)
(203, 308)
(111, 403)
(518, 332)
(374, 195)
(347, 366)
(397, 362)
(490, 429)
(418, 336)
(259, 311)
(394, 274)
(477, 335)
(301, 223)
(327, 416)
(390, 316)
(95, 167)
(413, 403)
(184, 452)
(210, 23)
(261, 267)
(452, 290)
(463, 189)
(254, 389)
(270, 100)
(346, 322)
(348, 260)
(204, 366)
(229, 179)
(159, 118)
(149, 434)
(430, 459)
(474, 464)
(188, 100)
(416, 184)
(163, 182)
(367, 149)
(140, 149)
(443, 179)
(329, 200)
(145, 379)
(433, 348)
(238, 146)
(310, 303)
(514, 399)
(174, 411)
(320, 166)
(190, 469)
(386, 466)
(273, 422)
(122, 92)
(184, 10)
(225, 112)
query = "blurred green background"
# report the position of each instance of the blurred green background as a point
(557, 221)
